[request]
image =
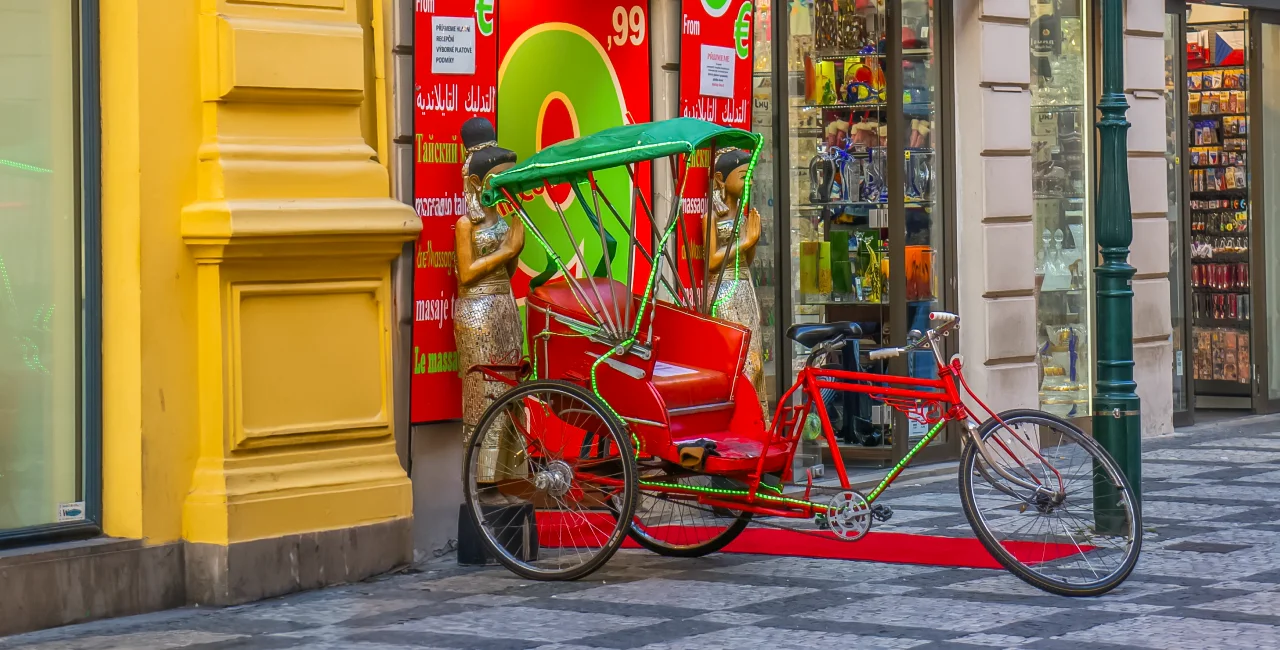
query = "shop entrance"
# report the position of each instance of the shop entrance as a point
(1224, 181)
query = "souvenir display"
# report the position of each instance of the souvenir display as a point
(1219, 211)
(850, 129)
(486, 321)
(1061, 118)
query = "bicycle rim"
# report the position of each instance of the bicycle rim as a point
(1083, 546)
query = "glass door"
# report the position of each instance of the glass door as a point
(1222, 152)
(1179, 226)
(1265, 105)
(865, 226)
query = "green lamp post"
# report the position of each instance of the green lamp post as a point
(1116, 420)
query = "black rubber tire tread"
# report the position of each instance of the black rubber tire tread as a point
(621, 437)
(969, 457)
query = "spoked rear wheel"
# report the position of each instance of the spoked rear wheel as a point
(1083, 538)
(676, 526)
(545, 467)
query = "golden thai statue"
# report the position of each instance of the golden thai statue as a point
(486, 321)
(736, 299)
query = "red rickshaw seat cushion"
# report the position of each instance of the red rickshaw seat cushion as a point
(737, 453)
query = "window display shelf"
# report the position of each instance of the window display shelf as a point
(1061, 118)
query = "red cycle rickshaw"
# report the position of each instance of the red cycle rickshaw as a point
(632, 415)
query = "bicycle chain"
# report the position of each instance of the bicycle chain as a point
(756, 520)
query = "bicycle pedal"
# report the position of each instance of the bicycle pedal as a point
(881, 512)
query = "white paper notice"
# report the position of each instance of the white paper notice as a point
(453, 45)
(717, 72)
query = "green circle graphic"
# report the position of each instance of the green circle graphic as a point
(715, 7)
(529, 76)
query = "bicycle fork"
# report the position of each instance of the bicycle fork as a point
(1055, 497)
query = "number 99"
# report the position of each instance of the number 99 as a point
(628, 26)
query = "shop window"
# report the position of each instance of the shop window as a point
(41, 452)
(1061, 122)
(864, 172)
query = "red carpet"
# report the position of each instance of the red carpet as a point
(900, 548)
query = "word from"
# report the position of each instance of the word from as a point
(692, 27)
(430, 363)
(425, 6)
(444, 206)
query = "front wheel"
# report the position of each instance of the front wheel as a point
(1079, 537)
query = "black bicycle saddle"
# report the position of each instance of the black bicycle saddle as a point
(811, 334)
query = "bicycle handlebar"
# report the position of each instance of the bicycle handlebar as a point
(884, 353)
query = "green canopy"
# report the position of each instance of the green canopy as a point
(571, 160)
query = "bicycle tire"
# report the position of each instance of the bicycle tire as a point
(968, 469)
(654, 543)
(597, 414)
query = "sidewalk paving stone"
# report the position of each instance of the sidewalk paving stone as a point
(1209, 578)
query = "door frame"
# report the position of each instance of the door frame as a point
(1260, 337)
(1181, 12)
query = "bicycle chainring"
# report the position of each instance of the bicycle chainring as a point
(849, 516)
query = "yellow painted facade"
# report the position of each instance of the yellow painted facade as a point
(248, 234)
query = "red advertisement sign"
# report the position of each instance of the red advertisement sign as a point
(455, 79)
(715, 85)
(571, 68)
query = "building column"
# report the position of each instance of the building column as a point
(293, 231)
(1149, 197)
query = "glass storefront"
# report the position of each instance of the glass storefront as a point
(42, 475)
(863, 170)
(1223, 276)
(1062, 124)
(764, 269)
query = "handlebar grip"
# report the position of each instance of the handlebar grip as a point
(943, 316)
(884, 353)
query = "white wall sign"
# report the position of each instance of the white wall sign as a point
(716, 78)
(453, 45)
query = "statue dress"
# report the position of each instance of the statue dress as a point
(737, 302)
(486, 325)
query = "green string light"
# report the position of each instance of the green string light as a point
(906, 460)
(732, 492)
(25, 167)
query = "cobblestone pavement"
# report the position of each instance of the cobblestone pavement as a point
(1209, 578)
